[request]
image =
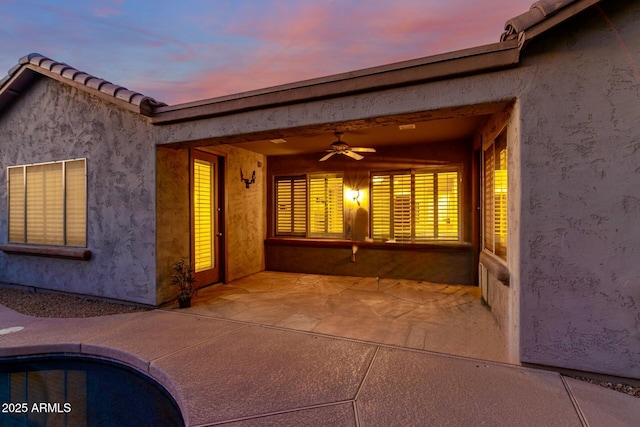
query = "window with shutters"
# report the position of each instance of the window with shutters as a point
(291, 205)
(415, 206)
(495, 196)
(48, 203)
(203, 176)
(326, 205)
(309, 206)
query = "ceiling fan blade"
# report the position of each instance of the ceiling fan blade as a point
(363, 150)
(328, 155)
(351, 154)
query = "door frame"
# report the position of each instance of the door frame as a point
(218, 160)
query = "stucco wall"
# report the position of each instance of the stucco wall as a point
(56, 122)
(580, 294)
(172, 198)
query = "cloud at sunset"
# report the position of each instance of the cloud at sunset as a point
(185, 51)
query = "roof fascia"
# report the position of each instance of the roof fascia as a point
(29, 73)
(556, 19)
(477, 60)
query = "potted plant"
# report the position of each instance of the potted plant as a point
(183, 278)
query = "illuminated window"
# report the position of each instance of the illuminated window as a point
(203, 176)
(314, 208)
(291, 205)
(48, 203)
(415, 206)
(495, 196)
(326, 205)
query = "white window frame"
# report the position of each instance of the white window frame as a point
(305, 232)
(63, 201)
(392, 238)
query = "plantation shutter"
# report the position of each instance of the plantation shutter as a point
(203, 214)
(488, 199)
(16, 205)
(500, 196)
(45, 211)
(76, 203)
(425, 206)
(402, 201)
(381, 207)
(415, 206)
(326, 205)
(448, 225)
(291, 205)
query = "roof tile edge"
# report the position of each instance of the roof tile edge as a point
(538, 12)
(146, 104)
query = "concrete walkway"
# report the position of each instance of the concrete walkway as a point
(224, 372)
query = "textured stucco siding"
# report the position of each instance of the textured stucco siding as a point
(54, 122)
(580, 151)
(173, 217)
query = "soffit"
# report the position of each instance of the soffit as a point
(378, 136)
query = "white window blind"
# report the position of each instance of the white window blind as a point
(381, 207)
(425, 227)
(47, 203)
(402, 205)
(326, 205)
(291, 205)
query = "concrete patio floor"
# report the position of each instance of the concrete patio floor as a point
(441, 318)
(234, 372)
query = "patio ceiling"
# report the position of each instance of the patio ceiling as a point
(359, 135)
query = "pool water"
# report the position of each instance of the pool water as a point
(77, 391)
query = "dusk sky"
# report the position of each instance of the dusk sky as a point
(181, 51)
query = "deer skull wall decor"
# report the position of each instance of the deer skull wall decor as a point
(248, 181)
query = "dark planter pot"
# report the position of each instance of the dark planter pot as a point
(184, 302)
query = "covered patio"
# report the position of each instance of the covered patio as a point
(406, 313)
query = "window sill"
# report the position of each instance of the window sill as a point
(495, 266)
(82, 254)
(336, 243)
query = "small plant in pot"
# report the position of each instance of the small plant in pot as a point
(183, 278)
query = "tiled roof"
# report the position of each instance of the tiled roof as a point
(46, 65)
(539, 11)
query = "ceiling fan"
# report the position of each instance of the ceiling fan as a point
(341, 147)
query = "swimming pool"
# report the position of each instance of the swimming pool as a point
(77, 391)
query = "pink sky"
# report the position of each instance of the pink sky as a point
(185, 51)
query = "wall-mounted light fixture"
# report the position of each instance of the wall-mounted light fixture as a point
(354, 194)
(248, 181)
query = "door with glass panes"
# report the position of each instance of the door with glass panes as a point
(205, 217)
